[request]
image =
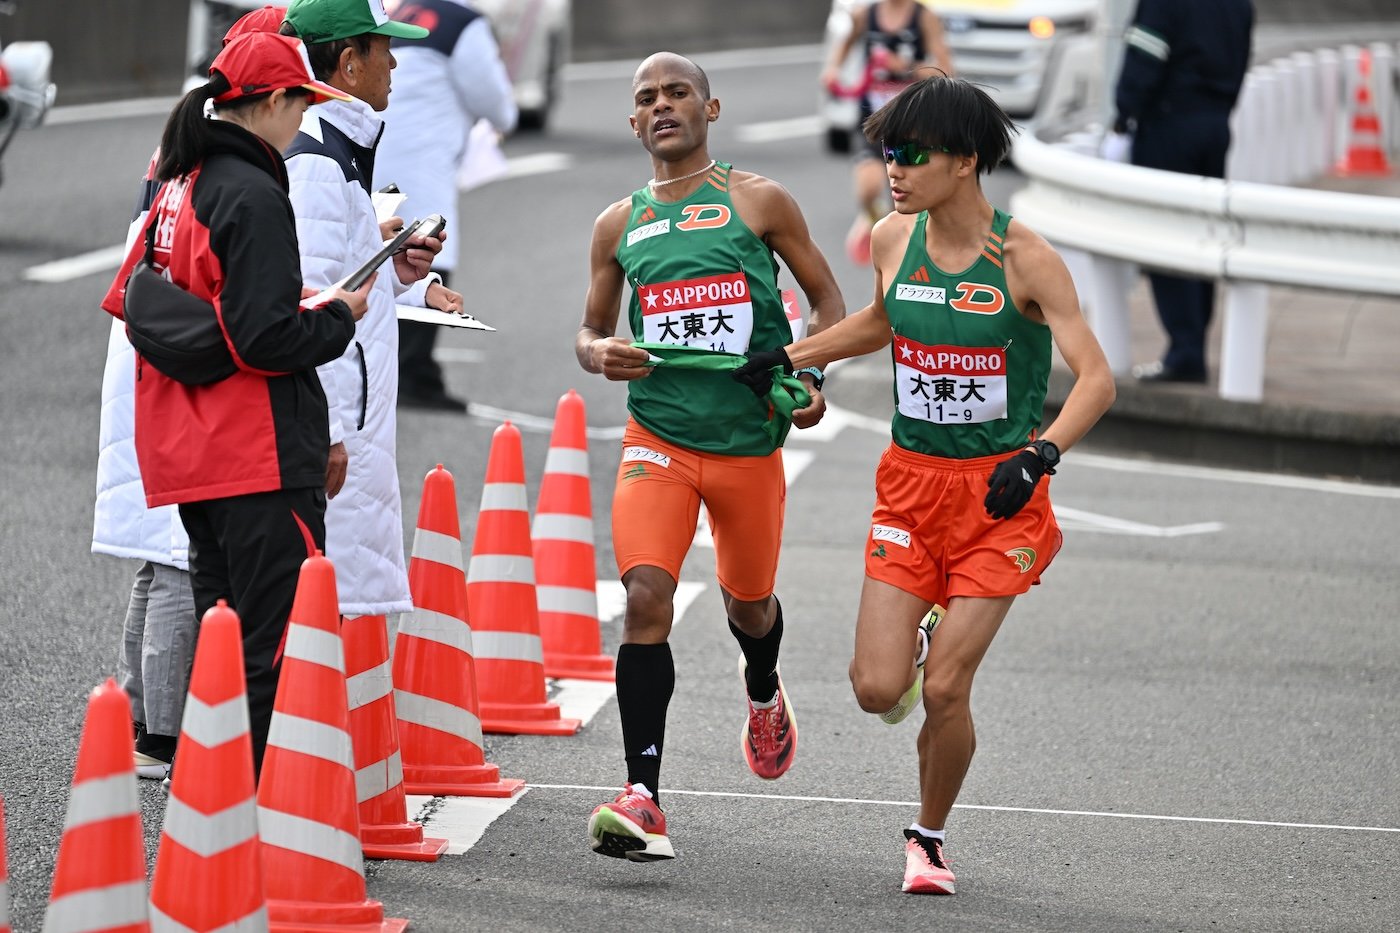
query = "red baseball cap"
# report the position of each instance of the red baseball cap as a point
(261, 62)
(268, 19)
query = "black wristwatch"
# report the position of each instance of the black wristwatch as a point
(1048, 453)
(818, 377)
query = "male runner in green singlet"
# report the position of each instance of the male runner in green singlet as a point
(961, 517)
(696, 246)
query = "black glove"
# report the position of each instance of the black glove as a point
(1012, 483)
(757, 373)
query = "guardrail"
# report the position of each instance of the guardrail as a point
(1246, 234)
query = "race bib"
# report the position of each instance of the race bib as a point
(950, 385)
(713, 313)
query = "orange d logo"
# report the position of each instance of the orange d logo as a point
(703, 217)
(977, 298)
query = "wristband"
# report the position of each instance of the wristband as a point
(818, 377)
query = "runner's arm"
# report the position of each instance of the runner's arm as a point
(1041, 286)
(936, 41)
(868, 329)
(596, 346)
(832, 72)
(788, 236)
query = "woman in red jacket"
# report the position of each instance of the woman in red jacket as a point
(245, 457)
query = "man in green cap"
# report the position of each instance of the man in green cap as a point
(329, 166)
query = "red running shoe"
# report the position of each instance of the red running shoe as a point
(770, 735)
(926, 871)
(632, 826)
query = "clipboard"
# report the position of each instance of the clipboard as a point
(440, 318)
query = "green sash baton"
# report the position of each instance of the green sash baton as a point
(787, 394)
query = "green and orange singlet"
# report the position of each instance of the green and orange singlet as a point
(701, 278)
(970, 370)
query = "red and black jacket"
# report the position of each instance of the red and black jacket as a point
(226, 233)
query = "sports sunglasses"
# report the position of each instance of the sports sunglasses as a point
(909, 153)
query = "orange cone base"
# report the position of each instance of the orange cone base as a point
(404, 841)
(482, 780)
(1364, 165)
(309, 917)
(526, 719)
(580, 666)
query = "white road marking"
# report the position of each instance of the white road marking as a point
(528, 422)
(774, 130)
(1079, 520)
(112, 110)
(458, 355)
(75, 267)
(459, 820)
(537, 163)
(714, 61)
(1220, 474)
(581, 699)
(913, 804)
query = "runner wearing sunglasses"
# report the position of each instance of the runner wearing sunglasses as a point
(696, 246)
(972, 302)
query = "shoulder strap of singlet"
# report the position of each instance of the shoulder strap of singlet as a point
(997, 238)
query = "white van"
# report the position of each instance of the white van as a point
(1009, 47)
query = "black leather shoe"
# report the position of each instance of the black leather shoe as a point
(1160, 372)
(431, 401)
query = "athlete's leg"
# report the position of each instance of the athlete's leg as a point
(646, 673)
(887, 641)
(947, 740)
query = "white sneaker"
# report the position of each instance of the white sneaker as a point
(911, 696)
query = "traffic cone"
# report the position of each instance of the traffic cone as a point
(307, 814)
(501, 603)
(99, 882)
(385, 829)
(1365, 153)
(209, 866)
(434, 674)
(567, 583)
(4, 876)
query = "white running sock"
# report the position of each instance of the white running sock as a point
(925, 832)
(769, 705)
(642, 789)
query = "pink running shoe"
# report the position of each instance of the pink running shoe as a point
(632, 826)
(858, 242)
(769, 737)
(925, 869)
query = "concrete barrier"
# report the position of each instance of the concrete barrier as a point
(105, 50)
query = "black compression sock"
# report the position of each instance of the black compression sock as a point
(646, 678)
(762, 657)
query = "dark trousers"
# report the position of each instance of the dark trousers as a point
(248, 550)
(1194, 144)
(419, 373)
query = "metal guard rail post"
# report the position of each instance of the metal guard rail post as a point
(1247, 235)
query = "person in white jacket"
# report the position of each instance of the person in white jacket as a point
(443, 85)
(330, 167)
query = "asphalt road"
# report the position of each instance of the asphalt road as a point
(1190, 726)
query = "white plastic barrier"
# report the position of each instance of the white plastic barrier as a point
(1292, 124)
(1245, 234)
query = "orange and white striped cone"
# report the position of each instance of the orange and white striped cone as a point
(385, 829)
(313, 868)
(99, 883)
(209, 866)
(434, 673)
(1365, 153)
(566, 586)
(4, 876)
(501, 603)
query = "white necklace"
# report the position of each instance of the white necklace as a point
(671, 181)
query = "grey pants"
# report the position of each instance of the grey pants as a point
(157, 649)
